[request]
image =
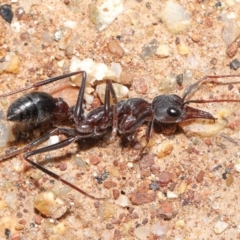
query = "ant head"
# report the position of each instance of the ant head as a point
(172, 109)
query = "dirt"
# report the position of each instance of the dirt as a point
(185, 187)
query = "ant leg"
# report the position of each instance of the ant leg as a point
(53, 147)
(115, 113)
(65, 131)
(44, 82)
(148, 134)
(78, 109)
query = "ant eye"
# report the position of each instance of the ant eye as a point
(173, 112)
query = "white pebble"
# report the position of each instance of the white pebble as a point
(142, 233)
(159, 229)
(95, 71)
(176, 17)
(53, 140)
(123, 201)
(6, 134)
(163, 51)
(220, 227)
(70, 24)
(104, 12)
(171, 194)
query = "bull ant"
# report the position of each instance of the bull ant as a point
(123, 117)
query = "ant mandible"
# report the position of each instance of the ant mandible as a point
(124, 117)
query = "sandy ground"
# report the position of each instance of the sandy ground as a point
(186, 187)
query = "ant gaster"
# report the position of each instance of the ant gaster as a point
(124, 117)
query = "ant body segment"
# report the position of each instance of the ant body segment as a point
(123, 117)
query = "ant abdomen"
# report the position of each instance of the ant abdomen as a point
(34, 107)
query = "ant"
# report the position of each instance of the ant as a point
(123, 117)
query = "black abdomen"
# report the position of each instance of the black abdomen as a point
(32, 107)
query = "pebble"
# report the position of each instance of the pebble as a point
(104, 12)
(232, 49)
(159, 229)
(149, 49)
(11, 64)
(6, 134)
(53, 140)
(163, 51)
(235, 64)
(183, 49)
(63, 166)
(220, 227)
(126, 78)
(115, 48)
(142, 233)
(109, 184)
(171, 195)
(164, 178)
(146, 161)
(6, 12)
(164, 149)
(231, 30)
(138, 197)
(50, 205)
(123, 201)
(94, 160)
(176, 17)
(116, 193)
(166, 210)
(200, 176)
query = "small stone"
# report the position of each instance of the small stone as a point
(165, 149)
(94, 160)
(183, 49)
(171, 195)
(164, 178)
(104, 12)
(232, 49)
(11, 64)
(163, 51)
(200, 176)
(38, 219)
(6, 12)
(146, 161)
(237, 167)
(220, 227)
(180, 224)
(149, 49)
(63, 166)
(19, 226)
(139, 197)
(109, 226)
(123, 201)
(109, 184)
(25, 36)
(49, 205)
(196, 37)
(116, 194)
(229, 180)
(142, 233)
(166, 210)
(115, 48)
(126, 78)
(159, 229)
(176, 17)
(235, 64)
